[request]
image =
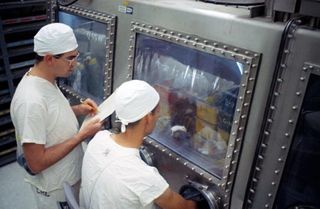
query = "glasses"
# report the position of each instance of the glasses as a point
(69, 59)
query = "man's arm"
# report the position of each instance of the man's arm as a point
(172, 200)
(86, 107)
(39, 158)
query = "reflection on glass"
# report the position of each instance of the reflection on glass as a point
(300, 185)
(198, 94)
(88, 78)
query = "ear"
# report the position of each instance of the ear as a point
(147, 120)
(49, 59)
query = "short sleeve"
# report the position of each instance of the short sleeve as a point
(153, 186)
(31, 123)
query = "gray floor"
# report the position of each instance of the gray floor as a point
(14, 192)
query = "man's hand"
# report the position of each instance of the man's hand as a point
(87, 107)
(90, 127)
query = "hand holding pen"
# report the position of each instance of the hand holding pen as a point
(88, 106)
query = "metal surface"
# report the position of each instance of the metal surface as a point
(236, 2)
(250, 61)
(285, 5)
(298, 64)
(269, 98)
(310, 8)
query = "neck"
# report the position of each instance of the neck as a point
(132, 138)
(42, 72)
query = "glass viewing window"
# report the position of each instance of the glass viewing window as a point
(198, 95)
(88, 78)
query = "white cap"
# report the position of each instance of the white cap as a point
(133, 100)
(54, 38)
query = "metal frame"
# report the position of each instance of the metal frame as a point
(279, 126)
(248, 58)
(110, 21)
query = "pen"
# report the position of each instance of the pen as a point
(82, 101)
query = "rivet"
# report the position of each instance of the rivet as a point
(273, 183)
(266, 206)
(255, 180)
(280, 160)
(290, 121)
(294, 107)
(287, 134)
(298, 93)
(276, 171)
(279, 80)
(302, 78)
(304, 68)
(267, 133)
(283, 147)
(263, 145)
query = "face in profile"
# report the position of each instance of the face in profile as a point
(153, 116)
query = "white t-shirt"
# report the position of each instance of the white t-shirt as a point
(116, 177)
(42, 115)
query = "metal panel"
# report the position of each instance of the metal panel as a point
(310, 8)
(301, 59)
(210, 23)
(289, 6)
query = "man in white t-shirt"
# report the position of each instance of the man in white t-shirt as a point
(46, 127)
(113, 174)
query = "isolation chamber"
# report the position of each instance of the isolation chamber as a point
(225, 130)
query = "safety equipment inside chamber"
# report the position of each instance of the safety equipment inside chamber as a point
(198, 95)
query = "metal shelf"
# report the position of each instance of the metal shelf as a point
(20, 4)
(24, 27)
(5, 99)
(20, 51)
(19, 22)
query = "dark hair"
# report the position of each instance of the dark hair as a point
(39, 58)
(136, 122)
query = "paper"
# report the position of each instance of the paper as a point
(105, 109)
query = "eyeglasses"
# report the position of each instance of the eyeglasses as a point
(69, 59)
